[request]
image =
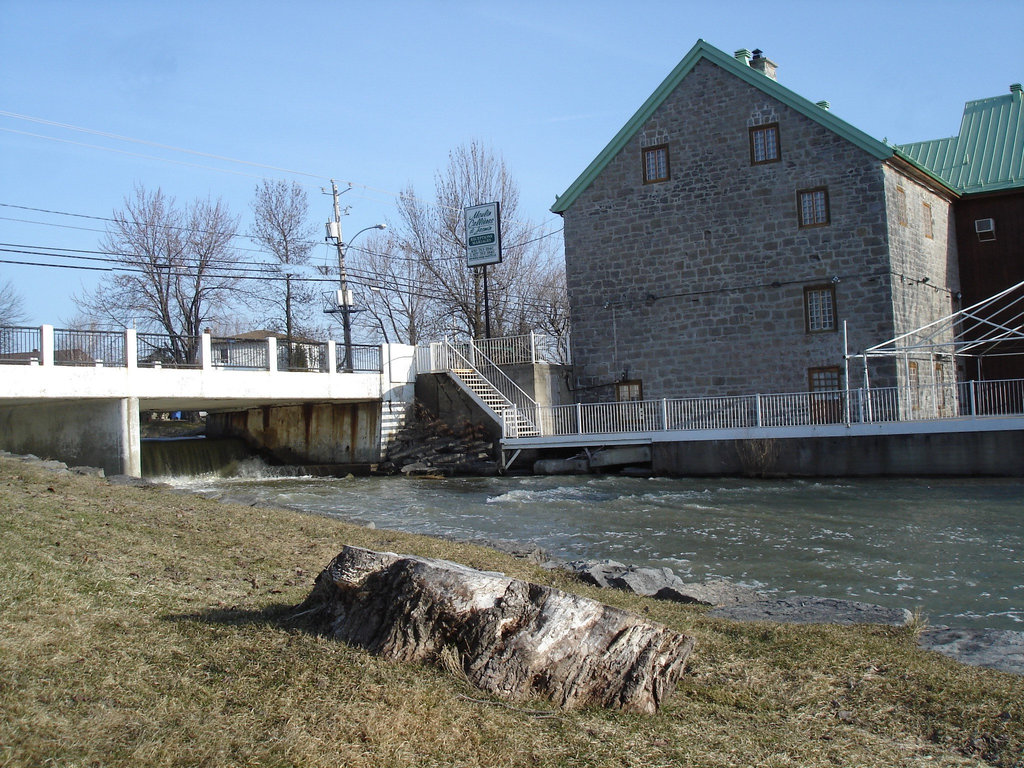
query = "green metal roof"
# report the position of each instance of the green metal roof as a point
(987, 155)
(703, 50)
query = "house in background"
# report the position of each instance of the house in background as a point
(248, 350)
(731, 232)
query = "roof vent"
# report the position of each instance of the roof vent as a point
(1016, 89)
(823, 104)
(985, 229)
(743, 57)
(763, 64)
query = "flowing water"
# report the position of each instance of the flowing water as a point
(952, 548)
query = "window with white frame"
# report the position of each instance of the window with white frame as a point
(820, 308)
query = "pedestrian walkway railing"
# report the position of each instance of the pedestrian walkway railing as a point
(528, 348)
(20, 345)
(48, 346)
(970, 399)
(84, 347)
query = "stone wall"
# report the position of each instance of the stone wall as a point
(925, 274)
(695, 286)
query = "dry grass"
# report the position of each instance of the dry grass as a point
(142, 627)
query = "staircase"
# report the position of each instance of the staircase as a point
(500, 397)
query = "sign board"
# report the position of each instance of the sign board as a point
(483, 235)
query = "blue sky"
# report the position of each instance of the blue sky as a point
(378, 93)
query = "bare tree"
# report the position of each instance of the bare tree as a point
(433, 236)
(176, 268)
(393, 292)
(282, 227)
(12, 305)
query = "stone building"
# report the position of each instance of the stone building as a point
(733, 233)
(984, 163)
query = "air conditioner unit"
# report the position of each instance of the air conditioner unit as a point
(985, 229)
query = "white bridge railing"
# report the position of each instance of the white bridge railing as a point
(925, 403)
(46, 345)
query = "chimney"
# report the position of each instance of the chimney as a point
(1015, 91)
(743, 57)
(763, 65)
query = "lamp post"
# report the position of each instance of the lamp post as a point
(344, 304)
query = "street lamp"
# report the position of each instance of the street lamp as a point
(344, 303)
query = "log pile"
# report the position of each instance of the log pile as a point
(429, 446)
(510, 637)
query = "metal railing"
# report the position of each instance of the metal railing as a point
(803, 409)
(20, 345)
(365, 358)
(78, 347)
(521, 350)
(464, 356)
(45, 346)
(302, 356)
(161, 350)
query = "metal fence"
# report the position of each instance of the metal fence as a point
(365, 358)
(803, 409)
(302, 356)
(20, 345)
(519, 350)
(78, 347)
(161, 350)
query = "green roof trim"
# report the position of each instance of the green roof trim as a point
(703, 50)
(988, 153)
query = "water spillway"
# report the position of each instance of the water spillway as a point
(191, 456)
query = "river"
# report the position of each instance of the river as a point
(953, 548)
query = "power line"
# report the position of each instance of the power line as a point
(209, 155)
(311, 243)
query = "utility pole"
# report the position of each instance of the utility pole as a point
(343, 304)
(344, 296)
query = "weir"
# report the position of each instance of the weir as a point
(188, 456)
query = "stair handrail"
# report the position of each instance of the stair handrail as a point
(511, 391)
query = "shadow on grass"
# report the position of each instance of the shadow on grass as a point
(285, 616)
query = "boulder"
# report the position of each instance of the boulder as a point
(1001, 649)
(510, 637)
(800, 609)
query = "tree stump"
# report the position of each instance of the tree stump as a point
(512, 638)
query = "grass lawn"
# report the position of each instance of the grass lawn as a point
(141, 627)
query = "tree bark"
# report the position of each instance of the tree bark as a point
(512, 638)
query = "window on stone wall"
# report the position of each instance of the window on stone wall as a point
(823, 379)
(812, 207)
(901, 206)
(764, 144)
(656, 164)
(820, 308)
(629, 391)
(926, 218)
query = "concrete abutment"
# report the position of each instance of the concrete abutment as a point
(98, 433)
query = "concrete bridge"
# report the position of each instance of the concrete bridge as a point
(77, 395)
